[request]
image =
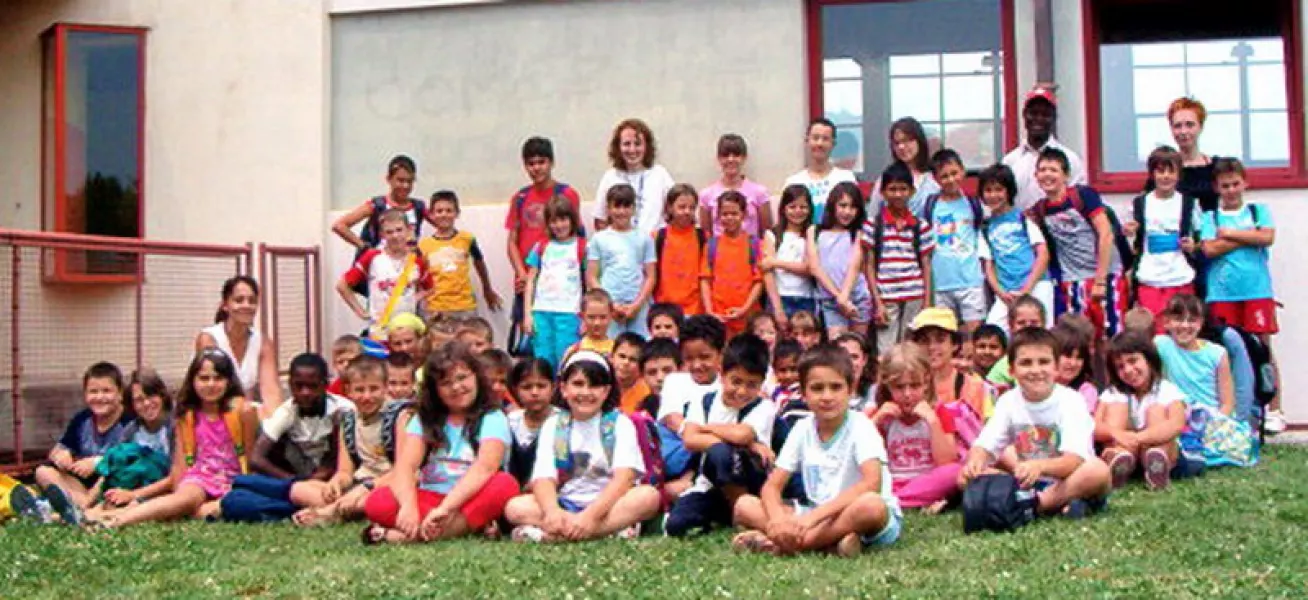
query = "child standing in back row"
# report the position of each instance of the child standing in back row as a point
(836, 260)
(449, 254)
(786, 274)
(527, 221)
(732, 153)
(730, 280)
(678, 244)
(820, 175)
(1165, 238)
(899, 245)
(1013, 250)
(621, 260)
(554, 284)
(955, 218)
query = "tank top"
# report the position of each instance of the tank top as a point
(835, 246)
(247, 367)
(791, 248)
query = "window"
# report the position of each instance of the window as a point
(946, 63)
(1239, 64)
(93, 120)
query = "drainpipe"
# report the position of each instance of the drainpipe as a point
(1044, 40)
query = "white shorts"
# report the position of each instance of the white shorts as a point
(968, 304)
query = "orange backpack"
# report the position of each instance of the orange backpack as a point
(235, 428)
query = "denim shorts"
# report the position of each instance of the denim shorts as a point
(888, 534)
(832, 316)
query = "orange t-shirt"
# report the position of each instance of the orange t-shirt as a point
(678, 281)
(975, 393)
(634, 395)
(732, 273)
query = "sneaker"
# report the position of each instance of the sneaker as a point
(1157, 471)
(27, 505)
(69, 512)
(1122, 465)
(630, 533)
(528, 533)
(1274, 421)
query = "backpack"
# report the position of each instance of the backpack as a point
(235, 428)
(130, 466)
(713, 253)
(1038, 212)
(785, 421)
(390, 415)
(1264, 370)
(609, 440)
(967, 424)
(879, 235)
(371, 231)
(996, 502)
(1197, 260)
(677, 460)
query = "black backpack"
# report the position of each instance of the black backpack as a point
(1264, 370)
(995, 502)
(1197, 260)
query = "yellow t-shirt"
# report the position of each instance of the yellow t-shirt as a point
(449, 266)
(604, 347)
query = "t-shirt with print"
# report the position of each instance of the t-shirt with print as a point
(528, 216)
(381, 272)
(1163, 394)
(831, 467)
(374, 461)
(622, 257)
(760, 418)
(1050, 428)
(651, 187)
(1075, 241)
(1010, 242)
(755, 197)
(680, 390)
(591, 466)
(523, 435)
(820, 188)
(559, 279)
(677, 284)
(792, 249)
(909, 444)
(446, 465)
(731, 274)
(1161, 262)
(81, 439)
(449, 265)
(1240, 274)
(955, 264)
(899, 269)
(1193, 371)
(310, 433)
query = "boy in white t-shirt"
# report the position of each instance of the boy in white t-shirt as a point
(848, 503)
(397, 280)
(702, 339)
(820, 175)
(731, 431)
(1162, 231)
(1042, 434)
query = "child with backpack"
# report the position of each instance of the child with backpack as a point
(835, 258)
(730, 280)
(1237, 239)
(1012, 250)
(1202, 370)
(528, 221)
(786, 275)
(847, 502)
(401, 173)
(450, 255)
(555, 282)
(395, 279)
(732, 153)
(1162, 234)
(731, 431)
(1086, 244)
(588, 481)
(677, 244)
(900, 248)
(532, 381)
(1049, 432)
(1143, 415)
(936, 330)
(447, 481)
(956, 219)
(215, 426)
(922, 439)
(621, 260)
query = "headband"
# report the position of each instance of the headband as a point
(586, 356)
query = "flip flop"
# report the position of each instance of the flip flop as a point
(68, 511)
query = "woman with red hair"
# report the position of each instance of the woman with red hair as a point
(1186, 117)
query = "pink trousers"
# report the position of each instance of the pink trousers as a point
(928, 488)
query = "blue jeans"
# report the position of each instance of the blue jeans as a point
(636, 325)
(554, 333)
(793, 304)
(699, 511)
(258, 499)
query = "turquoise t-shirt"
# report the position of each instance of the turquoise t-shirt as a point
(1240, 274)
(622, 257)
(1194, 371)
(955, 264)
(446, 465)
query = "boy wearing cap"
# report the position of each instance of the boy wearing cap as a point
(935, 329)
(1039, 116)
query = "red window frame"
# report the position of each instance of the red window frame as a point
(1007, 47)
(67, 266)
(1291, 176)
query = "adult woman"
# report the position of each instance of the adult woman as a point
(1186, 117)
(908, 144)
(253, 354)
(632, 153)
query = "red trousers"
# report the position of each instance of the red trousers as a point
(487, 505)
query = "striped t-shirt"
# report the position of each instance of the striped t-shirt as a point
(899, 272)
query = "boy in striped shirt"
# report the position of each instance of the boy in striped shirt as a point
(900, 246)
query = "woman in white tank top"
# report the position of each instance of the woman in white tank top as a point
(253, 354)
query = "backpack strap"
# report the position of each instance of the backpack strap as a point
(708, 404)
(929, 208)
(958, 386)
(236, 429)
(712, 253)
(609, 434)
(186, 434)
(1253, 214)
(390, 417)
(563, 446)
(421, 207)
(370, 233)
(1138, 215)
(746, 409)
(349, 422)
(978, 211)
(1188, 203)
(660, 239)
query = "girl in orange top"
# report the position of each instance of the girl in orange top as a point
(730, 279)
(679, 245)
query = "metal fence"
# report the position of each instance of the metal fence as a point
(76, 299)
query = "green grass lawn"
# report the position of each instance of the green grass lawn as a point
(1231, 533)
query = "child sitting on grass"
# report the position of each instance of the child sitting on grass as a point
(1075, 365)
(935, 329)
(1049, 431)
(447, 481)
(400, 374)
(496, 364)
(1025, 312)
(588, 460)
(919, 431)
(344, 349)
(477, 334)
(989, 343)
(1143, 414)
(865, 369)
(806, 330)
(596, 317)
(532, 381)
(627, 349)
(151, 434)
(848, 504)
(665, 321)
(404, 335)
